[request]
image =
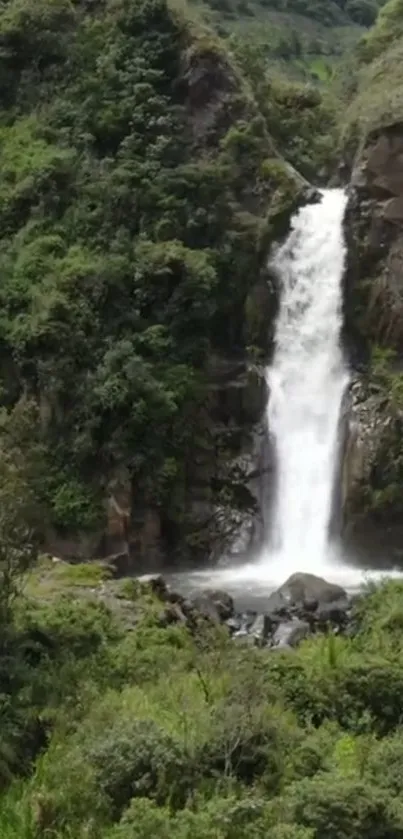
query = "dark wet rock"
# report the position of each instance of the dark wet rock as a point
(216, 605)
(303, 605)
(206, 607)
(335, 613)
(222, 601)
(243, 637)
(311, 604)
(234, 624)
(262, 628)
(290, 633)
(172, 614)
(302, 588)
(310, 195)
(175, 597)
(159, 587)
(248, 619)
(120, 564)
(277, 604)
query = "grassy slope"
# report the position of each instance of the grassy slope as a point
(133, 215)
(300, 44)
(378, 98)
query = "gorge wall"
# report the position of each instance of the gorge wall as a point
(373, 462)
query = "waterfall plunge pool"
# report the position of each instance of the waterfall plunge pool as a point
(307, 378)
(250, 583)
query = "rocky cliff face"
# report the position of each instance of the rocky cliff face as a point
(225, 486)
(374, 337)
(374, 226)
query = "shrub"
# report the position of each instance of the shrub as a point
(230, 817)
(336, 808)
(243, 745)
(384, 765)
(137, 759)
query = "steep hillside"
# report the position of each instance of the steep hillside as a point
(376, 84)
(373, 149)
(302, 38)
(140, 192)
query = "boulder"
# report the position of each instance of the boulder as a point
(205, 607)
(218, 606)
(300, 590)
(290, 633)
(223, 602)
(311, 604)
(277, 604)
(234, 624)
(335, 613)
(172, 613)
(158, 586)
(261, 629)
(248, 619)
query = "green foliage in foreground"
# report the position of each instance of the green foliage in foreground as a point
(154, 731)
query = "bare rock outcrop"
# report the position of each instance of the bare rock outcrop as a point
(372, 469)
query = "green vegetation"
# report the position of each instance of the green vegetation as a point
(375, 79)
(372, 86)
(131, 227)
(382, 493)
(146, 169)
(302, 39)
(302, 118)
(114, 731)
(145, 173)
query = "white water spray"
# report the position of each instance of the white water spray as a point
(307, 380)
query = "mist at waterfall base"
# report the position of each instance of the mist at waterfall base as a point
(307, 380)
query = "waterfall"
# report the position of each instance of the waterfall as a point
(307, 379)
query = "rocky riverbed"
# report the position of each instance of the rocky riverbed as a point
(303, 605)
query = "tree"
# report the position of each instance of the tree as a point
(19, 510)
(342, 808)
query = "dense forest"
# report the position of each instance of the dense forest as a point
(141, 188)
(150, 156)
(120, 722)
(302, 39)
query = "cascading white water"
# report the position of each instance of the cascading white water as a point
(307, 380)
